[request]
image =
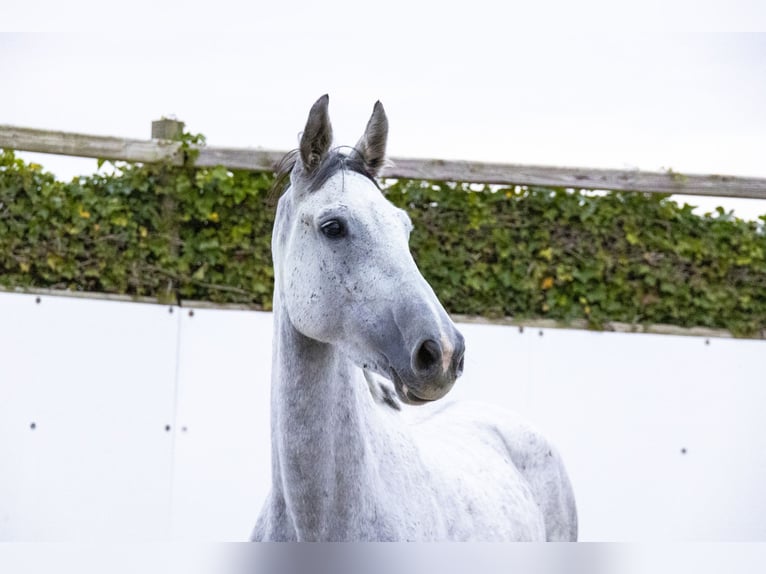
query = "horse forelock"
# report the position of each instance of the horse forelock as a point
(290, 171)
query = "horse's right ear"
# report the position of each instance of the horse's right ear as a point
(317, 136)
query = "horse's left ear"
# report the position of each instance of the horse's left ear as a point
(372, 145)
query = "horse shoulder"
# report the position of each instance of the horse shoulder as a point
(542, 466)
(480, 493)
(538, 462)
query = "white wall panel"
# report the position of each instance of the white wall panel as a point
(664, 437)
(86, 392)
(100, 380)
(222, 457)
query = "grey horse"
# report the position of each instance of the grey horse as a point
(359, 338)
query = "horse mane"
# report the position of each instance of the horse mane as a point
(333, 162)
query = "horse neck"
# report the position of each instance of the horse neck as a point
(322, 431)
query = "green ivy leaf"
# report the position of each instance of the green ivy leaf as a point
(177, 231)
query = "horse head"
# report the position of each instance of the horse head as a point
(344, 274)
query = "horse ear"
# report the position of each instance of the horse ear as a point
(372, 145)
(317, 136)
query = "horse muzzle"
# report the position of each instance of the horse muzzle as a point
(434, 367)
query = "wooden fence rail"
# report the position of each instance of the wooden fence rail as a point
(155, 150)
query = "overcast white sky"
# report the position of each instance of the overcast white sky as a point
(467, 82)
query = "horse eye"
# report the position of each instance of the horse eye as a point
(333, 229)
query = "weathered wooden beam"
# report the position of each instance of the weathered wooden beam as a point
(150, 151)
(578, 178)
(82, 145)
(239, 158)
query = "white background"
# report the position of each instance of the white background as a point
(101, 380)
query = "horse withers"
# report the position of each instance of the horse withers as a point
(362, 349)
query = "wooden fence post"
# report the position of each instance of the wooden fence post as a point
(167, 129)
(170, 130)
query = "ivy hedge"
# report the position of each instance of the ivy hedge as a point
(181, 233)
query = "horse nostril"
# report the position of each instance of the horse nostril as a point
(458, 358)
(427, 356)
(460, 365)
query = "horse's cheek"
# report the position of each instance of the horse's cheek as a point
(307, 299)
